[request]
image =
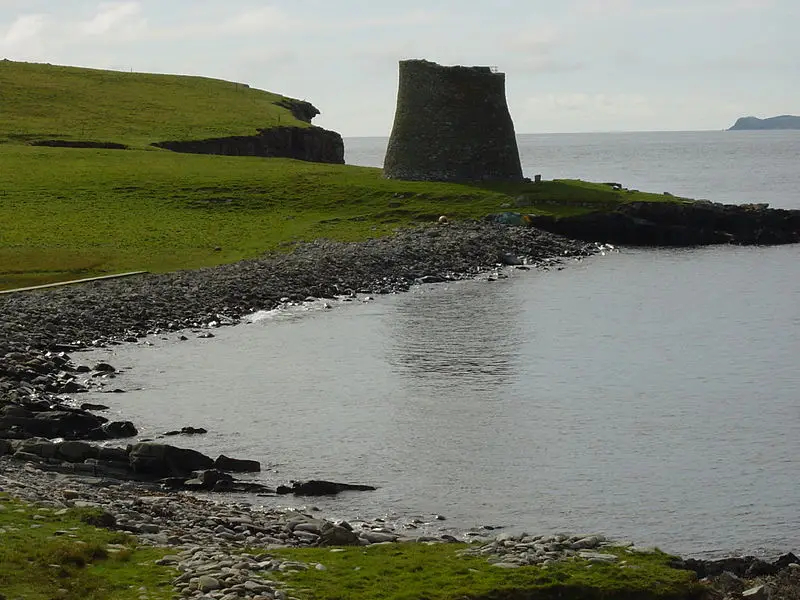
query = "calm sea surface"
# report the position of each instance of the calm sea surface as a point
(649, 395)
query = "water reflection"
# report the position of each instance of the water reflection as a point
(473, 343)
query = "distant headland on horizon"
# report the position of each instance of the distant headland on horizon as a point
(781, 122)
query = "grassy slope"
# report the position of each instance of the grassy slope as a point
(438, 572)
(67, 213)
(48, 102)
(42, 552)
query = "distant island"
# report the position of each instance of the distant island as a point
(781, 122)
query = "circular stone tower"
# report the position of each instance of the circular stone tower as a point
(451, 124)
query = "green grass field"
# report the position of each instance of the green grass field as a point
(68, 213)
(46, 554)
(439, 572)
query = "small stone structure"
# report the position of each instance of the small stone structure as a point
(451, 124)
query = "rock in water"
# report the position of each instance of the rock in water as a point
(317, 487)
(237, 465)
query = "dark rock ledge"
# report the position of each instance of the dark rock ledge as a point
(680, 224)
(312, 143)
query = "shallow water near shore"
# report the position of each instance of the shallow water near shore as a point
(649, 395)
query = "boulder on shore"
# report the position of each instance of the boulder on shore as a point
(163, 460)
(317, 487)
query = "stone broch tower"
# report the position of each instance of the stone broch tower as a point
(451, 124)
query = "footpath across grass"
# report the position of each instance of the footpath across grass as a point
(69, 213)
(47, 553)
(440, 572)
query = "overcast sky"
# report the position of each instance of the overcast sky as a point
(571, 65)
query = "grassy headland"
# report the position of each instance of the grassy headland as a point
(67, 213)
(69, 103)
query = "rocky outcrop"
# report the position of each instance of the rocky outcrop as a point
(300, 109)
(162, 460)
(313, 144)
(679, 224)
(781, 122)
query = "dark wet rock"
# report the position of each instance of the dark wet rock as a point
(317, 487)
(74, 451)
(113, 454)
(163, 460)
(90, 406)
(209, 479)
(187, 431)
(69, 424)
(112, 431)
(104, 368)
(236, 465)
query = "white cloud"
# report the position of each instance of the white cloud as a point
(114, 18)
(265, 18)
(628, 8)
(24, 29)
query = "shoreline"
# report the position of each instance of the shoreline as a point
(38, 328)
(35, 323)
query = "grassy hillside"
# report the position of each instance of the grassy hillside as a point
(67, 213)
(48, 102)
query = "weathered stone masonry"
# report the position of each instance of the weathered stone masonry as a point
(451, 124)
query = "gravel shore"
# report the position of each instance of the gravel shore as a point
(80, 315)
